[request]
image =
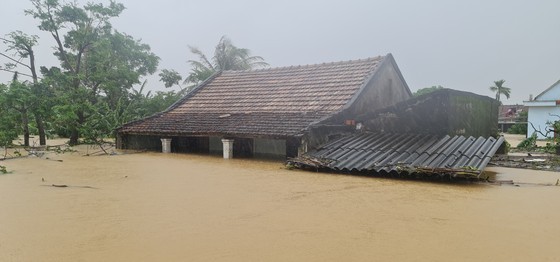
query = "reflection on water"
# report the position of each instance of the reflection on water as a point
(156, 207)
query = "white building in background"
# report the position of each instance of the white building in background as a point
(545, 107)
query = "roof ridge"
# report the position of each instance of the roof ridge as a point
(373, 58)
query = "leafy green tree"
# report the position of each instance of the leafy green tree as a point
(170, 77)
(8, 119)
(159, 101)
(500, 89)
(98, 65)
(142, 105)
(427, 90)
(105, 118)
(521, 126)
(16, 98)
(226, 57)
(21, 45)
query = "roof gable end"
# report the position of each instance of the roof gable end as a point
(550, 94)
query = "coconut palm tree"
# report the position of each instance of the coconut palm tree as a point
(500, 89)
(226, 57)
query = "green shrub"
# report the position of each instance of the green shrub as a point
(518, 128)
(529, 143)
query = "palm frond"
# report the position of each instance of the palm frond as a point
(201, 56)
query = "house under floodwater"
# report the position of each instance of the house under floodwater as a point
(279, 111)
(309, 111)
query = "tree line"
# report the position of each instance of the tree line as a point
(97, 85)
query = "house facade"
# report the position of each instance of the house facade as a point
(278, 112)
(544, 108)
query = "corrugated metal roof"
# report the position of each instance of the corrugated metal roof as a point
(405, 154)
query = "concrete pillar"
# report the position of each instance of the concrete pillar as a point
(166, 145)
(228, 148)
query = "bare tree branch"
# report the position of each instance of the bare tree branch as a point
(549, 124)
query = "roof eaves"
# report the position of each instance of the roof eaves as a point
(138, 121)
(174, 105)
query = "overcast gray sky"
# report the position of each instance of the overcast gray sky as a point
(463, 45)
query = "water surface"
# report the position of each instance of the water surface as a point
(158, 207)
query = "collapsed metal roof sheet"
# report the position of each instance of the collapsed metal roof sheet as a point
(404, 154)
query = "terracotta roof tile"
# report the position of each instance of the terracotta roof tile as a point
(276, 101)
(250, 124)
(312, 88)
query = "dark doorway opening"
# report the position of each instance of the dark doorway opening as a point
(190, 145)
(243, 147)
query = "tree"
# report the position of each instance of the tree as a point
(521, 126)
(226, 57)
(142, 105)
(16, 98)
(8, 119)
(500, 89)
(427, 90)
(22, 46)
(98, 65)
(170, 77)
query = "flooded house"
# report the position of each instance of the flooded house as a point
(280, 112)
(350, 116)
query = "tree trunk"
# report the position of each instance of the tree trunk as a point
(25, 124)
(41, 128)
(74, 137)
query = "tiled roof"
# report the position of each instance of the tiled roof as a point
(405, 154)
(276, 101)
(238, 124)
(511, 113)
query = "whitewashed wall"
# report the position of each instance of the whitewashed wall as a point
(552, 94)
(538, 116)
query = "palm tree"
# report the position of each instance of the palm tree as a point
(500, 89)
(226, 57)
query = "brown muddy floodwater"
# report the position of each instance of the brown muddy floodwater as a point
(158, 207)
